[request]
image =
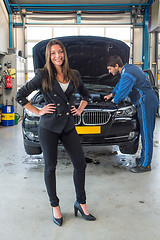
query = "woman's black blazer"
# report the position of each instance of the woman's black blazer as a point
(60, 120)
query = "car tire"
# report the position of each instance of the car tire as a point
(129, 149)
(32, 150)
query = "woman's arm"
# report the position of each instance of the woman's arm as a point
(50, 108)
(28, 88)
(78, 111)
(23, 92)
(83, 91)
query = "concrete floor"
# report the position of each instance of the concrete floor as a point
(127, 205)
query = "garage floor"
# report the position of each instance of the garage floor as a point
(127, 205)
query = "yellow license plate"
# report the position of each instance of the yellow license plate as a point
(88, 130)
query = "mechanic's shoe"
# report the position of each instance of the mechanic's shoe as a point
(138, 160)
(140, 169)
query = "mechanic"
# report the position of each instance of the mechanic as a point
(58, 84)
(135, 84)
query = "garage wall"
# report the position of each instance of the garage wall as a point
(114, 21)
(46, 26)
(4, 28)
(158, 56)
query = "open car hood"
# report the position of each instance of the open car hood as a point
(88, 55)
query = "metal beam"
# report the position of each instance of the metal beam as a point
(145, 50)
(80, 5)
(138, 9)
(10, 32)
(78, 17)
(7, 4)
(73, 9)
(20, 11)
(76, 7)
(66, 24)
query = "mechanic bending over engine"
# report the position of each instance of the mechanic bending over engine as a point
(135, 84)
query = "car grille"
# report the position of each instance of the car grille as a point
(93, 117)
(77, 119)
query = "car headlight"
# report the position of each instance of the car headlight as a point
(31, 136)
(30, 114)
(129, 111)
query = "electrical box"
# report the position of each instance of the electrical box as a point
(155, 17)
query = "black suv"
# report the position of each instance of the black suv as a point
(101, 123)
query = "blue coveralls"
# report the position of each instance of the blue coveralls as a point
(135, 84)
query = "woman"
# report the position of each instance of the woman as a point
(58, 84)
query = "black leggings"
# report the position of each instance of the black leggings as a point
(71, 142)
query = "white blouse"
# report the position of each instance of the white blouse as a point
(64, 86)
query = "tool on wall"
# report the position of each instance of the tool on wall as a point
(8, 81)
(8, 76)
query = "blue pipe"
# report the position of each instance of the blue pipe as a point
(75, 9)
(10, 31)
(8, 6)
(150, 2)
(120, 24)
(78, 18)
(10, 22)
(78, 5)
(17, 24)
(145, 50)
(139, 24)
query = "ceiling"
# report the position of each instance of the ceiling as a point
(78, 1)
(79, 5)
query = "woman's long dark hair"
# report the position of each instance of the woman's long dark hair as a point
(50, 70)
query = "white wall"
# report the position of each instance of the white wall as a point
(138, 46)
(18, 35)
(4, 28)
(97, 21)
(107, 25)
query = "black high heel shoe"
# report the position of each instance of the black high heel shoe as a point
(77, 208)
(57, 221)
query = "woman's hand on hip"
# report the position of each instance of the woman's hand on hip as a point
(50, 108)
(75, 111)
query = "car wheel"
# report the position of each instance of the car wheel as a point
(32, 150)
(129, 149)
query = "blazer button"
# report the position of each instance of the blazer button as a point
(58, 104)
(55, 95)
(67, 113)
(60, 114)
(20, 101)
(67, 103)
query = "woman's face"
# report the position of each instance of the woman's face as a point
(57, 55)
